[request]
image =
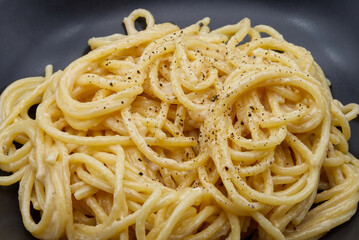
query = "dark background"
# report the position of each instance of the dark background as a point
(39, 32)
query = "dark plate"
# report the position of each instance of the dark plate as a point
(40, 32)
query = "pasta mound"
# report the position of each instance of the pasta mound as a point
(172, 133)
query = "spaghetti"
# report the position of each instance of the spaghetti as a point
(172, 133)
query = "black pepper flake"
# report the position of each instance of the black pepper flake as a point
(200, 24)
(226, 168)
(140, 173)
(214, 98)
(249, 114)
(111, 84)
(242, 123)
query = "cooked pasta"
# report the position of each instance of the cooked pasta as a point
(170, 133)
